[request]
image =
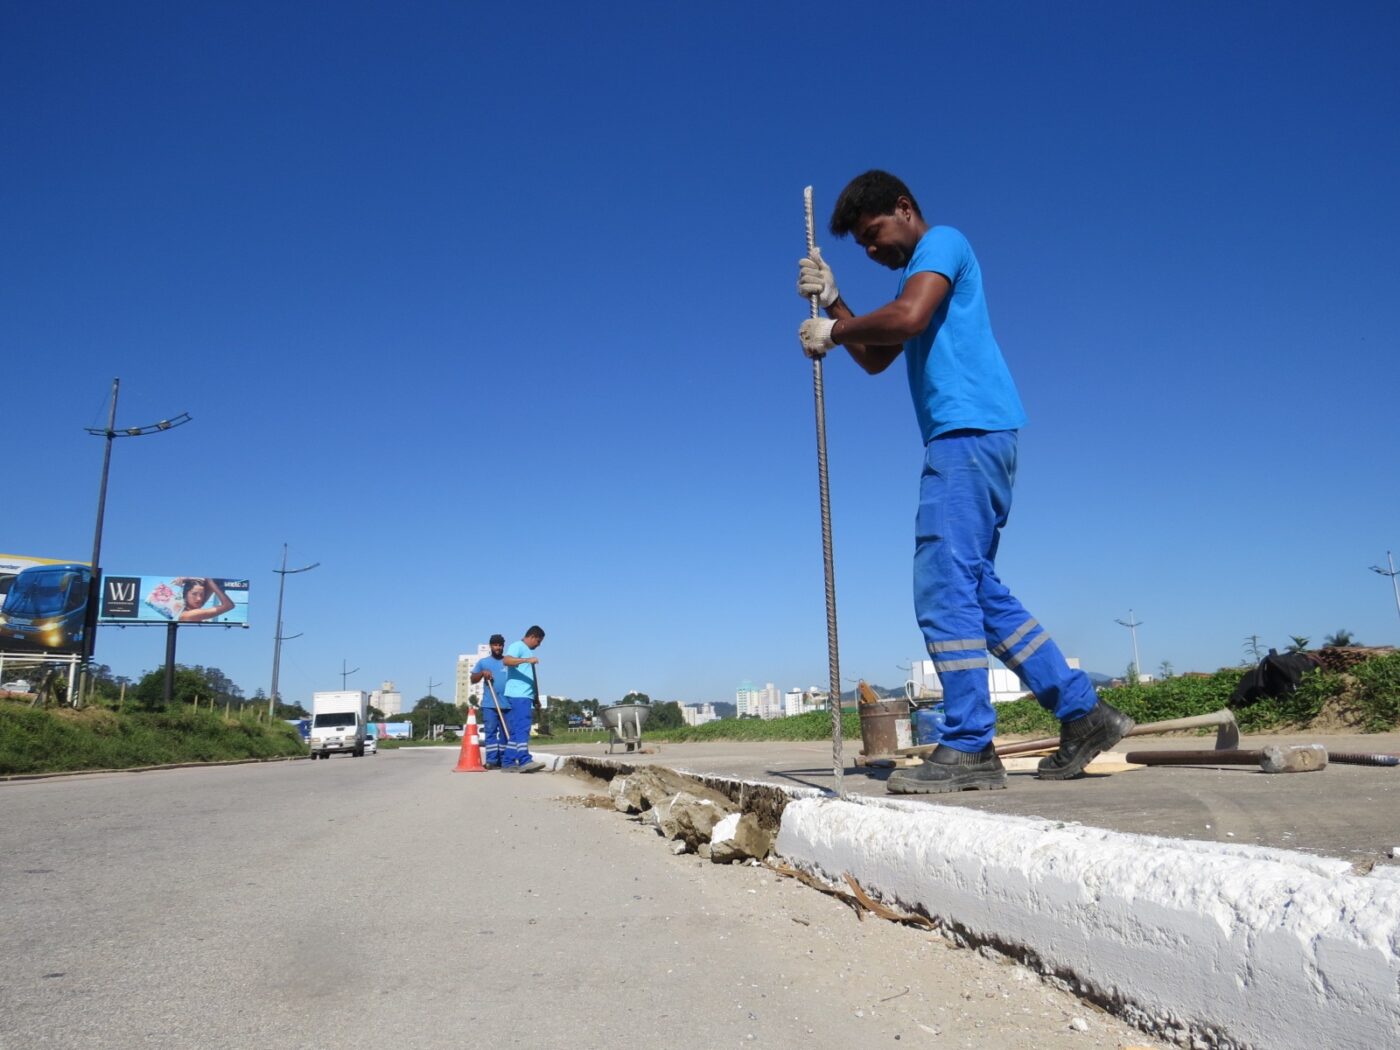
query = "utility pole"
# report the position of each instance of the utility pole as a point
(1391, 572)
(1133, 625)
(344, 674)
(428, 708)
(283, 572)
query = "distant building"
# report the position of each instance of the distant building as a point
(698, 714)
(387, 699)
(759, 703)
(1002, 683)
(800, 701)
(466, 693)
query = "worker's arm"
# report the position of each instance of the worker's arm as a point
(516, 661)
(875, 339)
(483, 673)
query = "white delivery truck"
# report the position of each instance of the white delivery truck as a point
(338, 722)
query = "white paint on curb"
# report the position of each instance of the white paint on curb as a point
(1245, 945)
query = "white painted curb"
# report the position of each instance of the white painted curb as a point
(1241, 945)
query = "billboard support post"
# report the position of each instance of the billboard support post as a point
(170, 630)
(90, 635)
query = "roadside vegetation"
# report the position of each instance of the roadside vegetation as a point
(126, 724)
(54, 740)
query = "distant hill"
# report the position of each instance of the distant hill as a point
(725, 710)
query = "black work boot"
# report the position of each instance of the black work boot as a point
(1081, 740)
(949, 770)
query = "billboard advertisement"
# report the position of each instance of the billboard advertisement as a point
(45, 604)
(174, 599)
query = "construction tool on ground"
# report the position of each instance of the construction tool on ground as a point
(500, 715)
(828, 563)
(1276, 758)
(1357, 758)
(1227, 734)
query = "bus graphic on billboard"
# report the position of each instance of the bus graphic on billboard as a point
(45, 604)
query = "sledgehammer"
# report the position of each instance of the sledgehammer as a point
(1227, 733)
(1276, 758)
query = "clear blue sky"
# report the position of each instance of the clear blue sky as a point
(490, 311)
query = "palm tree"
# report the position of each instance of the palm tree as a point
(1340, 638)
(1300, 643)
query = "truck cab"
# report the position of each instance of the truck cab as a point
(338, 723)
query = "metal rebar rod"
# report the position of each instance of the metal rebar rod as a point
(828, 565)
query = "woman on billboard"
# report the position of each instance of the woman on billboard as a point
(197, 592)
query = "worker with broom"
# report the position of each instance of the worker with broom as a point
(492, 671)
(969, 413)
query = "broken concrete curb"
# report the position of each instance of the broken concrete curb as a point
(1241, 946)
(1218, 945)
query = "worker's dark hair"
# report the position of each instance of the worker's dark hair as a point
(874, 193)
(498, 639)
(535, 632)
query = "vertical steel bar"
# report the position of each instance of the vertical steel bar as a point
(828, 565)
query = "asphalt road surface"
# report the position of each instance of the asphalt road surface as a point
(388, 902)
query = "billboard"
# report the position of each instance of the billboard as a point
(174, 599)
(43, 604)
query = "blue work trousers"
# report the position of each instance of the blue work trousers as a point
(964, 610)
(519, 718)
(493, 732)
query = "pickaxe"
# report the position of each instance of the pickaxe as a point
(1276, 758)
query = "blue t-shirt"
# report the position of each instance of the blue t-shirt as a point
(957, 376)
(522, 676)
(500, 674)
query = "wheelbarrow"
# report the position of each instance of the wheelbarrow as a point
(624, 722)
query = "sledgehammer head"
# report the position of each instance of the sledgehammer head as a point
(1299, 758)
(1227, 733)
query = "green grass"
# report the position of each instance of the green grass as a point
(39, 740)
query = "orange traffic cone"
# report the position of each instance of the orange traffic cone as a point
(469, 761)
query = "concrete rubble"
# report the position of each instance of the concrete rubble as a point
(695, 818)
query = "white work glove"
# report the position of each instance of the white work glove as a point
(814, 277)
(815, 335)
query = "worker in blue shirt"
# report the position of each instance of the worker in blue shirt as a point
(969, 413)
(523, 695)
(492, 673)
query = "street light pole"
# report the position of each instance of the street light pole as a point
(1391, 572)
(283, 572)
(1133, 625)
(344, 674)
(108, 434)
(428, 708)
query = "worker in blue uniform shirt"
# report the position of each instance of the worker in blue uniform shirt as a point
(491, 672)
(969, 414)
(523, 695)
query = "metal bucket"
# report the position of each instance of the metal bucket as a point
(884, 728)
